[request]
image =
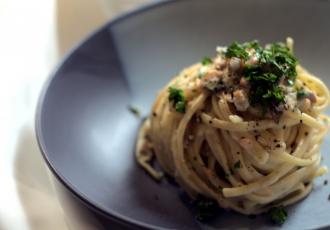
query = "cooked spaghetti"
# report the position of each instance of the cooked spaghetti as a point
(244, 128)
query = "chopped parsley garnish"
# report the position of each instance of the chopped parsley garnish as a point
(180, 106)
(275, 94)
(275, 62)
(267, 77)
(237, 50)
(278, 215)
(206, 61)
(176, 96)
(290, 82)
(264, 77)
(280, 59)
(134, 111)
(237, 165)
(301, 94)
(206, 208)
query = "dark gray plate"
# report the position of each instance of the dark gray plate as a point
(87, 134)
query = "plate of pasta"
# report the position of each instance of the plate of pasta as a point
(197, 115)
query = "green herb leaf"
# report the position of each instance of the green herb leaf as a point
(207, 61)
(175, 94)
(253, 45)
(267, 77)
(274, 94)
(206, 208)
(135, 111)
(237, 50)
(290, 82)
(177, 97)
(279, 59)
(301, 94)
(237, 165)
(180, 106)
(278, 215)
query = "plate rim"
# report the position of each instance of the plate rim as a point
(126, 221)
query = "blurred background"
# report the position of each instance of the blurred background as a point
(34, 36)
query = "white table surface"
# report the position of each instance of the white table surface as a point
(34, 36)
